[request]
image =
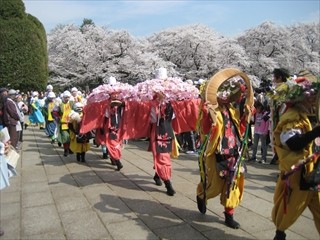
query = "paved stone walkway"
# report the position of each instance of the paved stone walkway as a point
(55, 197)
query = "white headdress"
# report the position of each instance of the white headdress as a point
(66, 94)
(112, 81)
(161, 73)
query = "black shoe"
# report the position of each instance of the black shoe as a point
(25, 126)
(230, 222)
(157, 180)
(280, 235)
(78, 157)
(1, 232)
(201, 205)
(113, 162)
(52, 141)
(274, 160)
(70, 152)
(170, 190)
(59, 144)
(105, 155)
(119, 165)
(65, 153)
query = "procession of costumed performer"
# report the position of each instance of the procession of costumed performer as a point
(79, 143)
(61, 114)
(36, 116)
(298, 183)
(162, 136)
(101, 137)
(50, 124)
(224, 140)
(107, 104)
(162, 92)
(136, 118)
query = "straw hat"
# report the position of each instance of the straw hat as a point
(213, 84)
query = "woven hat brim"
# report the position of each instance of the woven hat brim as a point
(224, 75)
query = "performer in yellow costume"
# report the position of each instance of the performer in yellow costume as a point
(61, 114)
(222, 134)
(78, 145)
(294, 135)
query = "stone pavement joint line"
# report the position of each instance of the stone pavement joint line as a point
(55, 197)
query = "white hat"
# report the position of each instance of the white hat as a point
(74, 89)
(35, 93)
(161, 73)
(12, 92)
(49, 87)
(51, 95)
(112, 81)
(66, 94)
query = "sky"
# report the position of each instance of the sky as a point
(142, 18)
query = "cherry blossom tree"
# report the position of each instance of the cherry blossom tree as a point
(305, 47)
(270, 46)
(70, 56)
(192, 49)
(266, 47)
(89, 55)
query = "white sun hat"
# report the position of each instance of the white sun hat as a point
(51, 95)
(66, 94)
(74, 89)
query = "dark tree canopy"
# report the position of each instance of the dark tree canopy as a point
(23, 48)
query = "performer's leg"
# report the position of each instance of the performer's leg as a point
(83, 156)
(66, 149)
(104, 151)
(284, 214)
(157, 179)
(230, 222)
(163, 169)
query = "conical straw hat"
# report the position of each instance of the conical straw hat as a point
(220, 77)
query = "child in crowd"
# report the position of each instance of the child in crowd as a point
(261, 131)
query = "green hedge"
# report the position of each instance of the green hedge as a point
(23, 48)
